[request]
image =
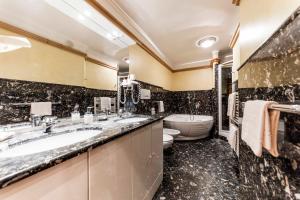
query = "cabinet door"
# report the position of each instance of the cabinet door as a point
(141, 143)
(157, 150)
(67, 180)
(156, 167)
(110, 171)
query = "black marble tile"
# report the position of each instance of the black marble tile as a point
(16, 91)
(272, 73)
(199, 170)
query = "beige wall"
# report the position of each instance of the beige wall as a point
(258, 21)
(148, 69)
(45, 63)
(201, 79)
(42, 63)
(100, 77)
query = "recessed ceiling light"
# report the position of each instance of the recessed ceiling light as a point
(206, 41)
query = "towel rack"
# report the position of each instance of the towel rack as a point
(293, 108)
(25, 104)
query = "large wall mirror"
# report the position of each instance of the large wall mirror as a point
(67, 63)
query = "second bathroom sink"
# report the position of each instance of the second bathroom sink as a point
(49, 143)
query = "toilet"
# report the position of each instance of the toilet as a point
(167, 141)
(168, 137)
(172, 132)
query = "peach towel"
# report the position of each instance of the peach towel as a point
(259, 127)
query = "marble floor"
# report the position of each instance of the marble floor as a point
(199, 170)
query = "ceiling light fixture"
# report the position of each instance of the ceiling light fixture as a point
(206, 41)
(10, 43)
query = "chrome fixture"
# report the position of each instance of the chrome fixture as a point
(49, 122)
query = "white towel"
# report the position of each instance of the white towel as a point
(41, 108)
(161, 106)
(105, 103)
(256, 126)
(232, 136)
(231, 105)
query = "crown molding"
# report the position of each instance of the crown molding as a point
(235, 36)
(116, 22)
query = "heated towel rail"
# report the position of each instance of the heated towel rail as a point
(293, 108)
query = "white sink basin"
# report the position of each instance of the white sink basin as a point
(49, 143)
(132, 120)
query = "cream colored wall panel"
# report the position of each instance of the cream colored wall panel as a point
(148, 69)
(42, 63)
(68, 180)
(201, 79)
(99, 77)
(258, 21)
(110, 171)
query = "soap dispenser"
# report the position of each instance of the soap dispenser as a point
(88, 116)
(75, 115)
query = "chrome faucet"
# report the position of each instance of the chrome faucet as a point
(49, 122)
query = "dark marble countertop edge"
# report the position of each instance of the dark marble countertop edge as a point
(8, 180)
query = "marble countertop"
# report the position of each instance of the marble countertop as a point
(16, 168)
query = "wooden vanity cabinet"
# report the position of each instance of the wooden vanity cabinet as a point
(67, 180)
(109, 170)
(127, 168)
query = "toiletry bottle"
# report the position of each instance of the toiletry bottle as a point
(75, 115)
(152, 111)
(88, 116)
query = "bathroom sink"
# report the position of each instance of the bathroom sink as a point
(49, 143)
(132, 120)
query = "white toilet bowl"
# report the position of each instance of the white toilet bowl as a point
(167, 141)
(172, 132)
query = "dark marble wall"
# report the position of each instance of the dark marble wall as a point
(16, 91)
(273, 73)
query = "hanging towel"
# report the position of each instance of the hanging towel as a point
(41, 108)
(258, 130)
(231, 105)
(105, 103)
(274, 121)
(232, 136)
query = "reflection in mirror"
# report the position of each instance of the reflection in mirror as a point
(69, 63)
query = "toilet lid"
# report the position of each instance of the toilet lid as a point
(167, 138)
(171, 132)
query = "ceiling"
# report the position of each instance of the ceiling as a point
(53, 19)
(173, 27)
